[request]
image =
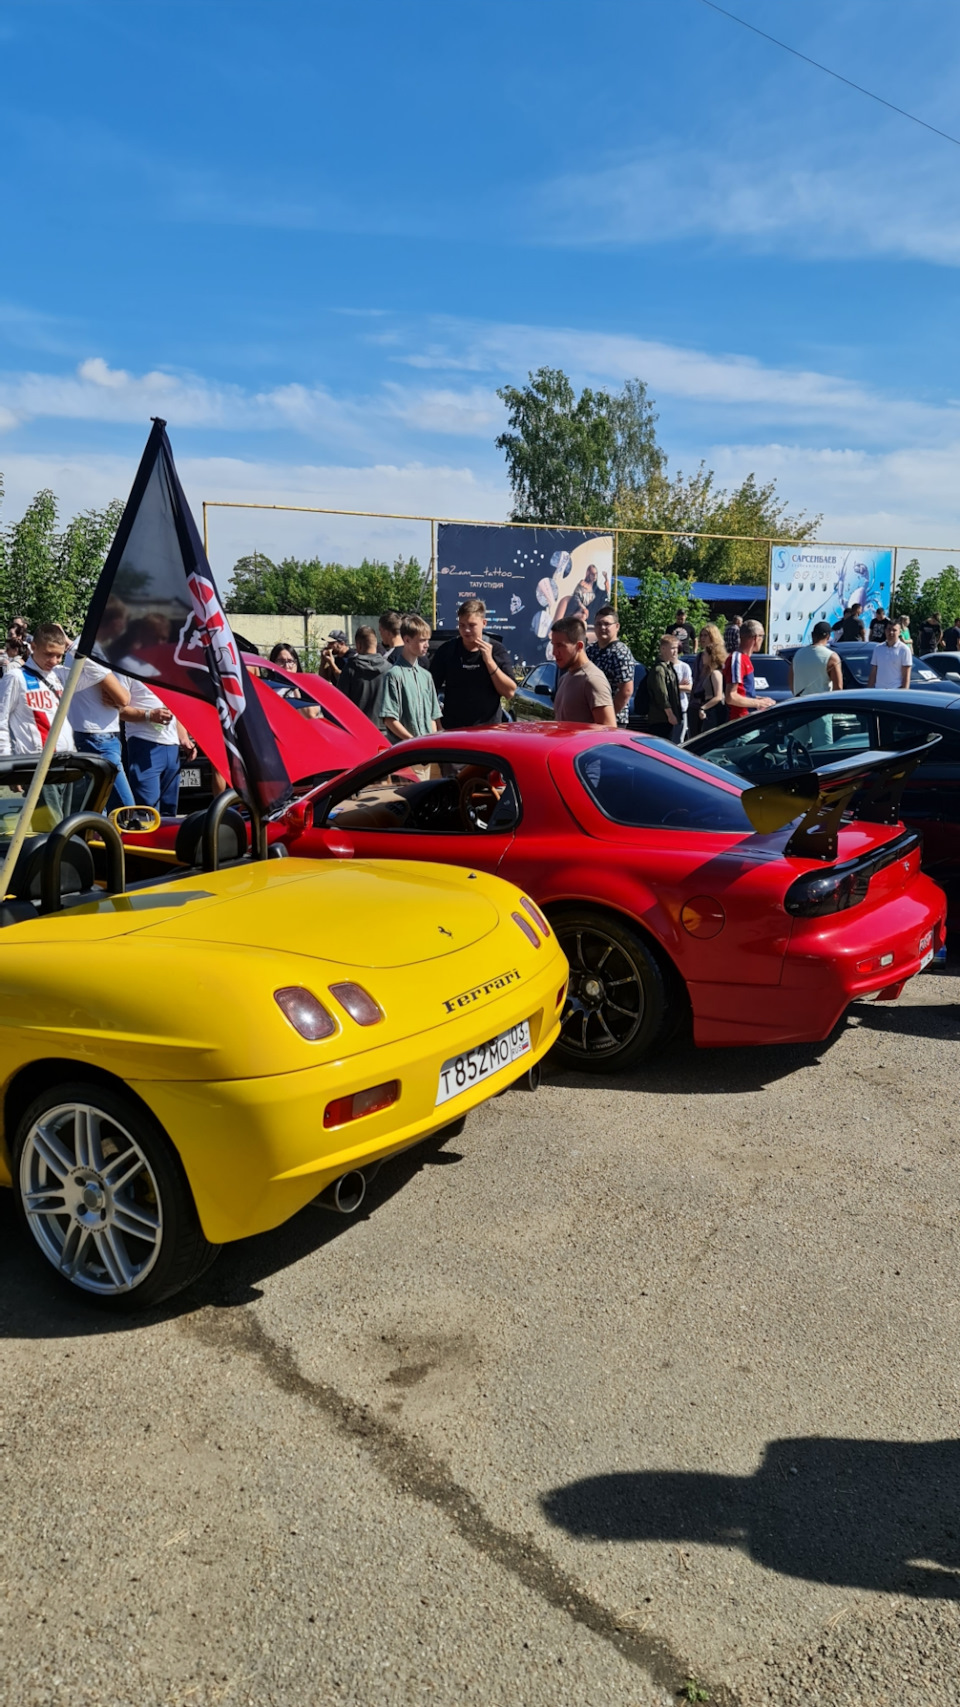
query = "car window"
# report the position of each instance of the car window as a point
(534, 677)
(65, 793)
(899, 733)
(796, 740)
(463, 797)
(858, 660)
(631, 786)
(920, 673)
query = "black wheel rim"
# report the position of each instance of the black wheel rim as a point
(606, 1003)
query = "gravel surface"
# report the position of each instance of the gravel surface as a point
(626, 1391)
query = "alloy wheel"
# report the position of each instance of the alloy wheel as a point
(91, 1198)
(605, 1001)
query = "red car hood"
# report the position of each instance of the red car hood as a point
(341, 738)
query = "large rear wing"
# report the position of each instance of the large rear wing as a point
(874, 781)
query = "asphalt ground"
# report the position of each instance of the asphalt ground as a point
(627, 1391)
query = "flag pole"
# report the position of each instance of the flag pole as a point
(44, 761)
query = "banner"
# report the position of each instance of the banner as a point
(817, 583)
(526, 577)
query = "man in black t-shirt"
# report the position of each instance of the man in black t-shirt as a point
(683, 633)
(472, 673)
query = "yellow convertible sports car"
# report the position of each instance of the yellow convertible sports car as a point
(188, 1062)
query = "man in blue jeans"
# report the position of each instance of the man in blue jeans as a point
(95, 720)
(154, 741)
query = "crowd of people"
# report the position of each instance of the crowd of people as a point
(697, 682)
(33, 673)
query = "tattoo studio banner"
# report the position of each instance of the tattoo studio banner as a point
(817, 583)
(526, 577)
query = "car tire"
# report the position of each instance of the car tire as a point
(617, 1007)
(102, 1192)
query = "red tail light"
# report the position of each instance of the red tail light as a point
(345, 1109)
(535, 914)
(526, 928)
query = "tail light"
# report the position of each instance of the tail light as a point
(526, 928)
(344, 1109)
(535, 914)
(358, 1003)
(818, 893)
(305, 1013)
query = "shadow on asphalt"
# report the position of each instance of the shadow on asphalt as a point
(35, 1305)
(941, 1022)
(868, 1514)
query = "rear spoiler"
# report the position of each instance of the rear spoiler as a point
(823, 796)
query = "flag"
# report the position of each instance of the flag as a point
(156, 615)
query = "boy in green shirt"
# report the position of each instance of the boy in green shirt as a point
(410, 706)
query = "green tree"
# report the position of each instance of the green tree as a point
(645, 618)
(81, 551)
(939, 594)
(295, 587)
(32, 582)
(560, 453)
(907, 590)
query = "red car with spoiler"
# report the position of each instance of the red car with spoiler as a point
(674, 888)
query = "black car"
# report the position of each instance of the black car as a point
(946, 665)
(856, 657)
(771, 673)
(811, 732)
(534, 698)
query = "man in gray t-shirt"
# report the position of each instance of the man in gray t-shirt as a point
(583, 693)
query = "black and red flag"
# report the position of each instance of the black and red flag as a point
(156, 615)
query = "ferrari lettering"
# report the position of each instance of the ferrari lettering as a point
(468, 997)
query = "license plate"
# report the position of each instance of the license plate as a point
(462, 1071)
(926, 950)
(190, 779)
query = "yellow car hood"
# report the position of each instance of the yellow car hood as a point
(386, 913)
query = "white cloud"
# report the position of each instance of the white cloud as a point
(762, 192)
(716, 381)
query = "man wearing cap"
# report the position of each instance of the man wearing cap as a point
(333, 654)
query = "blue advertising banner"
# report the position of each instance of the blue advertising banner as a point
(526, 577)
(817, 583)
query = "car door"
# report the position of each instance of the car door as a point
(797, 738)
(454, 808)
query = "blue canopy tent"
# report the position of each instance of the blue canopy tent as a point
(711, 592)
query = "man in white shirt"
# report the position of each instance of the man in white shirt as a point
(29, 696)
(890, 665)
(154, 740)
(95, 720)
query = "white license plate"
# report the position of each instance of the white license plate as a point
(190, 779)
(926, 950)
(462, 1071)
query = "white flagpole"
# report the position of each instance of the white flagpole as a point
(39, 777)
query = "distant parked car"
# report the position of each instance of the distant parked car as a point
(770, 675)
(856, 657)
(533, 700)
(946, 665)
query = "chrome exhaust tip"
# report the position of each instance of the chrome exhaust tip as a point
(345, 1194)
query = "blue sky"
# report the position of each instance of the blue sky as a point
(317, 237)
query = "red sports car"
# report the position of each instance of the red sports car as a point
(672, 885)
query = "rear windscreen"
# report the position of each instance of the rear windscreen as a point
(631, 786)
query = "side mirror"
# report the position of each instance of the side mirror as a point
(136, 820)
(542, 688)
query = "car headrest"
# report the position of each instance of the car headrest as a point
(77, 872)
(231, 841)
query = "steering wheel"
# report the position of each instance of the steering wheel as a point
(795, 747)
(478, 801)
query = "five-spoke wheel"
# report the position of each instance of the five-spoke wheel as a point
(617, 1000)
(105, 1197)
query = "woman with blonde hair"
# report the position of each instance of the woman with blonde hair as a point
(708, 678)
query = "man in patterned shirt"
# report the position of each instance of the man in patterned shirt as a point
(614, 658)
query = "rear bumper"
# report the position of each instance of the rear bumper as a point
(820, 976)
(255, 1150)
